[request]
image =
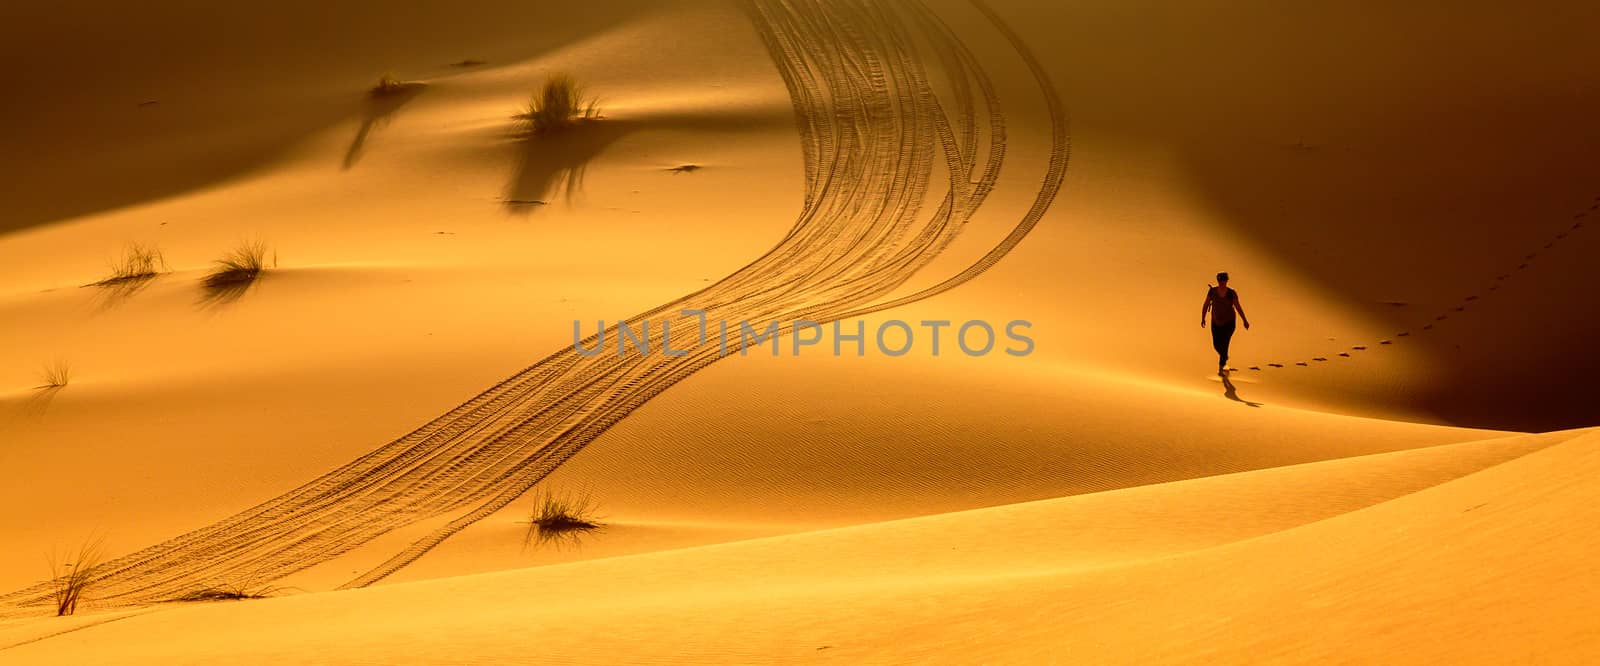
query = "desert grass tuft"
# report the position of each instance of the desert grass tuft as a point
(71, 578)
(557, 105)
(55, 374)
(389, 85)
(560, 515)
(230, 592)
(241, 265)
(138, 262)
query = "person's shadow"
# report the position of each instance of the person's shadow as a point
(1231, 393)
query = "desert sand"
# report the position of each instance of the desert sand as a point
(1397, 469)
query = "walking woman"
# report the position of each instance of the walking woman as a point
(1222, 302)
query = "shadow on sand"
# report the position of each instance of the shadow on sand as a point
(111, 293)
(551, 165)
(38, 403)
(380, 109)
(563, 538)
(1231, 393)
(217, 294)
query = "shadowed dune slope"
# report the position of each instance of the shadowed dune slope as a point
(209, 93)
(1410, 161)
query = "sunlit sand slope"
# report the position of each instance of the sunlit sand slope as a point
(757, 446)
(1235, 567)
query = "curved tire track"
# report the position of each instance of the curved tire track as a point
(871, 125)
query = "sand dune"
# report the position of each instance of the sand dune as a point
(701, 466)
(226, 95)
(1376, 166)
(1409, 222)
(1084, 578)
(487, 452)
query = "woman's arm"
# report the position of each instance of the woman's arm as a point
(1240, 309)
(1204, 308)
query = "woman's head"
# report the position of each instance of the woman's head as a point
(1222, 278)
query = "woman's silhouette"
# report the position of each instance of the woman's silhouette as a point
(1222, 302)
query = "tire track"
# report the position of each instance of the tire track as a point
(872, 129)
(62, 632)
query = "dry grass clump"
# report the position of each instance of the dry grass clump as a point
(558, 516)
(55, 374)
(138, 262)
(557, 105)
(230, 592)
(389, 85)
(70, 578)
(241, 265)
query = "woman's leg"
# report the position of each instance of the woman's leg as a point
(1221, 336)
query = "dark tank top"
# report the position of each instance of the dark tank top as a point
(1222, 313)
